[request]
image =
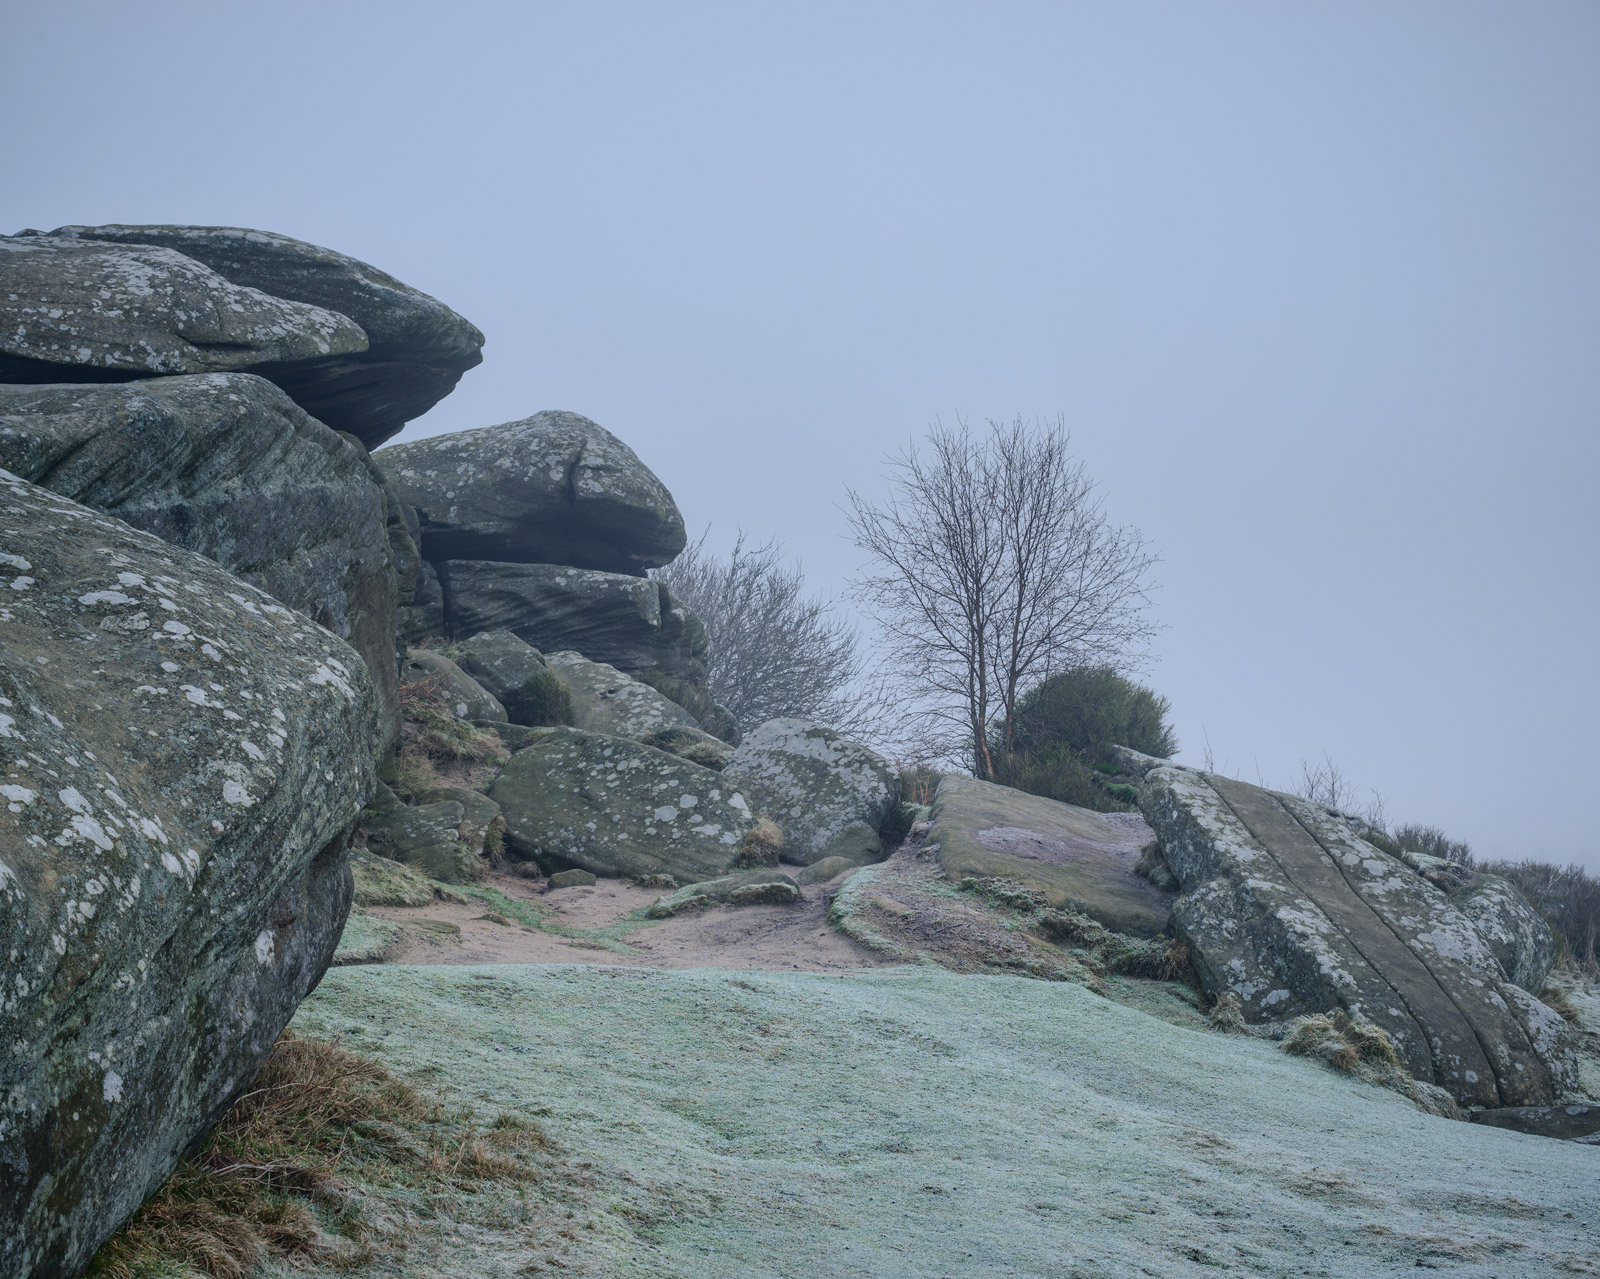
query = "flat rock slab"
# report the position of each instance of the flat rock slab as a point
(1568, 1122)
(553, 488)
(76, 311)
(1077, 859)
(417, 348)
(1288, 908)
(911, 1123)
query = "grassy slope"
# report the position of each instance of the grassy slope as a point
(917, 1122)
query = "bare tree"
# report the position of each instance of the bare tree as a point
(993, 566)
(775, 651)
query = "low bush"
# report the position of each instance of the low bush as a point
(761, 845)
(919, 783)
(542, 702)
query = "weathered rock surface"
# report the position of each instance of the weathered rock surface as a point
(627, 622)
(183, 759)
(467, 698)
(830, 795)
(604, 700)
(76, 311)
(614, 807)
(751, 888)
(554, 488)
(498, 660)
(1074, 858)
(227, 465)
(427, 837)
(1285, 906)
(1519, 938)
(1563, 1122)
(417, 348)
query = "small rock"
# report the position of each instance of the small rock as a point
(572, 879)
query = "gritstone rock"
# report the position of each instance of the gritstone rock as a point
(627, 622)
(76, 311)
(554, 488)
(1074, 858)
(831, 796)
(1286, 907)
(183, 759)
(752, 888)
(227, 465)
(614, 807)
(426, 837)
(417, 348)
(467, 698)
(604, 700)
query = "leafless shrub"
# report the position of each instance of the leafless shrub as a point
(775, 650)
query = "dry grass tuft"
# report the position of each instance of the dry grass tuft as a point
(761, 844)
(1345, 1044)
(432, 738)
(271, 1180)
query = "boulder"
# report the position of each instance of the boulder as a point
(571, 879)
(467, 698)
(381, 881)
(830, 795)
(828, 868)
(428, 838)
(416, 351)
(227, 465)
(1287, 908)
(1075, 859)
(515, 672)
(628, 622)
(693, 744)
(554, 488)
(1567, 1123)
(419, 600)
(614, 807)
(752, 888)
(76, 311)
(183, 760)
(478, 811)
(604, 700)
(1515, 932)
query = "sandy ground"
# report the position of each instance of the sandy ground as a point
(598, 925)
(912, 1123)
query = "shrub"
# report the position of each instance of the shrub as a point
(541, 702)
(1065, 728)
(919, 783)
(1433, 842)
(761, 844)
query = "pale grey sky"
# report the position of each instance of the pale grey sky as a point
(1317, 287)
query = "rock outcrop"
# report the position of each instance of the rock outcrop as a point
(615, 807)
(830, 795)
(1076, 859)
(225, 464)
(416, 348)
(604, 700)
(76, 311)
(466, 698)
(628, 622)
(554, 488)
(1288, 909)
(183, 759)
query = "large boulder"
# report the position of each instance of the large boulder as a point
(604, 700)
(615, 807)
(1074, 858)
(554, 488)
(76, 311)
(830, 795)
(499, 661)
(227, 465)
(1518, 936)
(628, 622)
(1287, 908)
(417, 347)
(183, 761)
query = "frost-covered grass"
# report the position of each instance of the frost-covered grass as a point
(921, 1123)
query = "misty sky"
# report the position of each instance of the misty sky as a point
(1316, 287)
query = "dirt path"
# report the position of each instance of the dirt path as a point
(605, 924)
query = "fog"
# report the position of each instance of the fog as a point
(1316, 288)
